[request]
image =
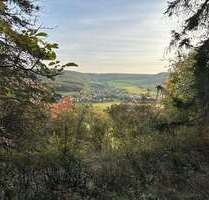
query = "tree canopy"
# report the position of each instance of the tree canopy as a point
(26, 58)
(194, 35)
(25, 54)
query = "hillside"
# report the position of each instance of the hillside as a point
(71, 81)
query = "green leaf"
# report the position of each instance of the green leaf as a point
(54, 46)
(41, 34)
(51, 55)
(71, 65)
(52, 63)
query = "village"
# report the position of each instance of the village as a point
(102, 95)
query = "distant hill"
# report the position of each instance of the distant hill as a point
(71, 81)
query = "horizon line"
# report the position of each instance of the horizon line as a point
(127, 73)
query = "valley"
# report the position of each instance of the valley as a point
(107, 88)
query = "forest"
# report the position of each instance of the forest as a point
(56, 149)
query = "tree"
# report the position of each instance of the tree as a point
(194, 35)
(180, 84)
(24, 52)
(195, 19)
(25, 58)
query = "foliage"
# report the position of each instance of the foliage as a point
(83, 129)
(181, 89)
(194, 35)
(65, 105)
(45, 176)
(131, 120)
(60, 150)
(95, 155)
(24, 54)
(104, 106)
(181, 78)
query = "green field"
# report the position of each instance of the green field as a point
(71, 81)
(127, 87)
(130, 88)
(134, 90)
(104, 105)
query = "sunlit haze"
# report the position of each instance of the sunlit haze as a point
(103, 36)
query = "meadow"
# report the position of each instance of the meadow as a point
(104, 105)
(71, 81)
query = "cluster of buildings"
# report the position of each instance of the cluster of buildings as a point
(98, 95)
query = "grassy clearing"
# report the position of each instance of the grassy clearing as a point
(104, 105)
(128, 87)
(134, 90)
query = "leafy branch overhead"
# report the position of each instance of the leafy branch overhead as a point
(194, 36)
(196, 14)
(25, 54)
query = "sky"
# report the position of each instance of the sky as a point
(109, 36)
